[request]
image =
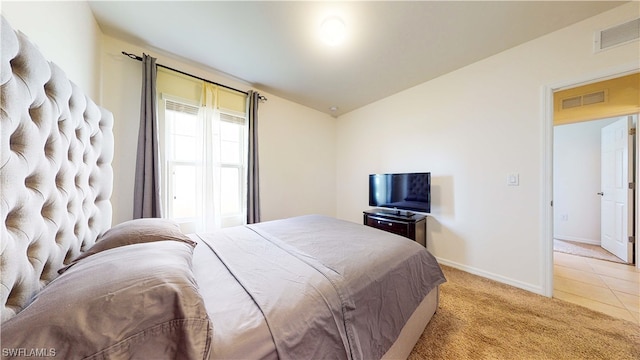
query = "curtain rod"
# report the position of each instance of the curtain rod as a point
(136, 57)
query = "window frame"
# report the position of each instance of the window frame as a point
(166, 150)
(241, 165)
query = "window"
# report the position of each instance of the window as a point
(233, 132)
(181, 124)
(203, 149)
(205, 165)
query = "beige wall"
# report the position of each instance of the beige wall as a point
(66, 33)
(298, 160)
(472, 128)
(297, 151)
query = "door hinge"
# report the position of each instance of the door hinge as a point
(632, 131)
(632, 186)
(632, 239)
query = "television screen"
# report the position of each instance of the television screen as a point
(408, 191)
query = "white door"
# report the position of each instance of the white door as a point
(617, 196)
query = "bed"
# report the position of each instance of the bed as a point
(73, 286)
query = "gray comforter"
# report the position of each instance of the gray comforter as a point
(326, 288)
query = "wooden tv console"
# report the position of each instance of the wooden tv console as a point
(403, 223)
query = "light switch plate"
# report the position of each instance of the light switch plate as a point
(513, 179)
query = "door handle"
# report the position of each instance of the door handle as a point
(601, 194)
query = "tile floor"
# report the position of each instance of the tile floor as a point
(600, 285)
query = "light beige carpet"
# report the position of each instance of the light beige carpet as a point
(581, 249)
(482, 319)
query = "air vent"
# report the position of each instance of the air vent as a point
(583, 100)
(594, 98)
(572, 102)
(618, 35)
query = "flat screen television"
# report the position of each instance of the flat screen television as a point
(406, 191)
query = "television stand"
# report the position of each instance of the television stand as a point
(400, 222)
(396, 212)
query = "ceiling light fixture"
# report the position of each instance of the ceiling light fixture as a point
(333, 30)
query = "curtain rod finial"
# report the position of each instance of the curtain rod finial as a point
(132, 56)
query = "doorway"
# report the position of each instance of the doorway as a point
(598, 281)
(579, 192)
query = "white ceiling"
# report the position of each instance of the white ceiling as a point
(390, 46)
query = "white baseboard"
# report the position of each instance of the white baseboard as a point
(537, 289)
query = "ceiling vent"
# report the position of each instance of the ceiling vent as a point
(586, 99)
(617, 35)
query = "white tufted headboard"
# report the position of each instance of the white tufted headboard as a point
(55, 170)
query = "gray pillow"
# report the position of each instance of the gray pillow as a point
(137, 301)
(134, 232)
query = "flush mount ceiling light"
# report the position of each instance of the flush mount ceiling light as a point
(333, 30)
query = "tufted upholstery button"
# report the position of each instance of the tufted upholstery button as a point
(34, 253)
(16, 141)
(56, 147)
(69, 257)
(13, 219)
(33, 182)
(79, 134)
(70, 155)
(39, 113)
(50, 212)
(50, 148)
(60, 180)
(59, 237)
(85, 245)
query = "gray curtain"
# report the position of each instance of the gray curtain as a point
(253, 174)
(146, 202)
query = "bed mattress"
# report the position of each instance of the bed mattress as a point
(343, 288)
